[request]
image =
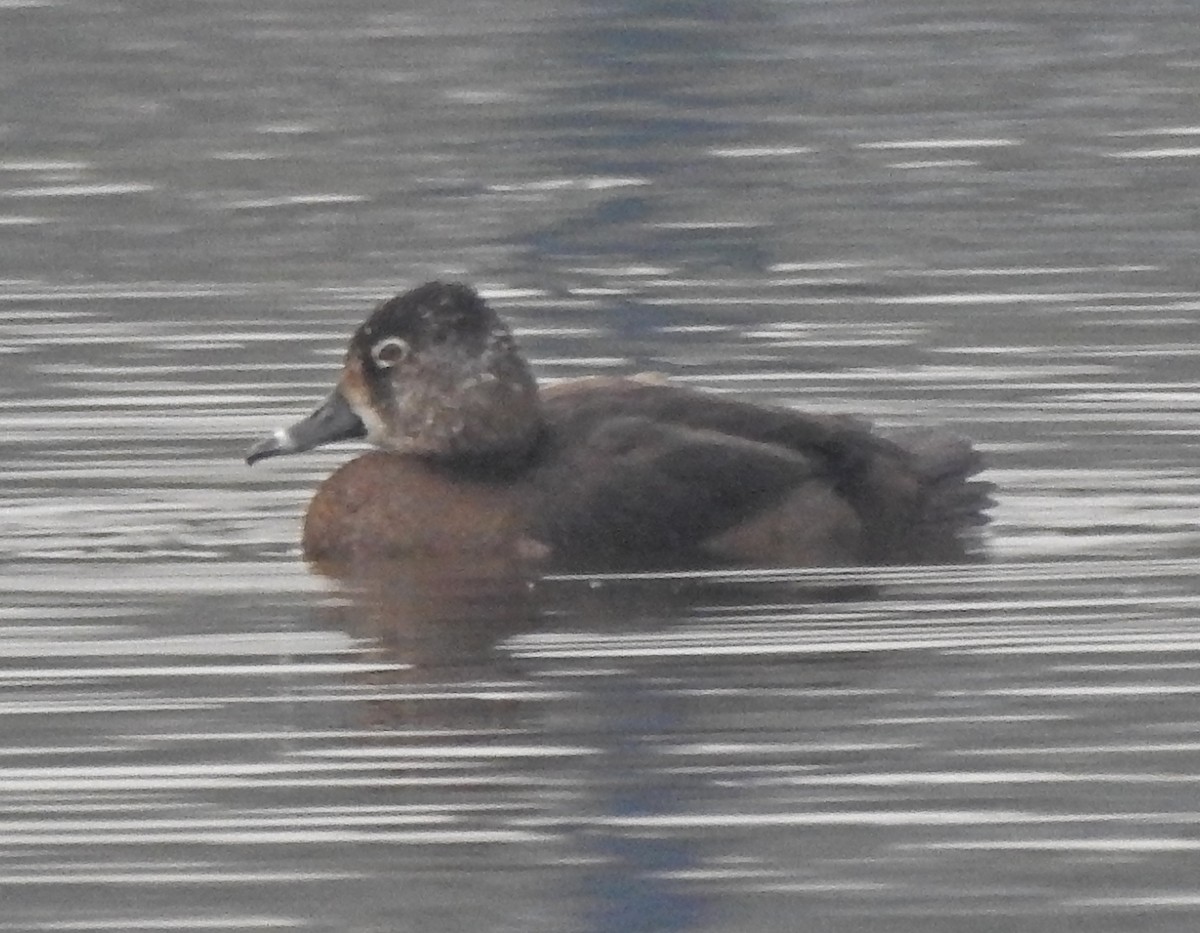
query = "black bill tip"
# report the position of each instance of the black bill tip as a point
(333, 420)
(278, 443)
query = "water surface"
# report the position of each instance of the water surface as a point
(924, 212)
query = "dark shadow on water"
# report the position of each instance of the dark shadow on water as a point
(434, 624)
(440, 630)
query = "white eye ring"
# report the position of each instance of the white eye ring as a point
(389, 351)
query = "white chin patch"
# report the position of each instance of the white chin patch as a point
(376, 429)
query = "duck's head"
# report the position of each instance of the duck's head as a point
(433, 372)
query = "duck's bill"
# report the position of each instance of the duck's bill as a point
(334, 420)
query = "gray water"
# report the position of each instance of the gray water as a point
(971, 214)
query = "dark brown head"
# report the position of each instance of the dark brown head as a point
(433, 372)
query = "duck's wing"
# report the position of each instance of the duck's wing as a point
(843, 440)
(630, 486)
(645, 466)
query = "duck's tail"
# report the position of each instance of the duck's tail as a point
(954, 501)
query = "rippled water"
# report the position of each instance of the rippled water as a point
(961, 214)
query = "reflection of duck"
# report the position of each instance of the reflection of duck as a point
(435, 627)
(603, 471)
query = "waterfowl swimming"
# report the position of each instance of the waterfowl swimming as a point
(473, 457)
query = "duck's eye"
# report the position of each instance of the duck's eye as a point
(389, 351)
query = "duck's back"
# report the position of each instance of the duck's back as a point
(637, 470)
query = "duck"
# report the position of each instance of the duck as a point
(473, 459)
